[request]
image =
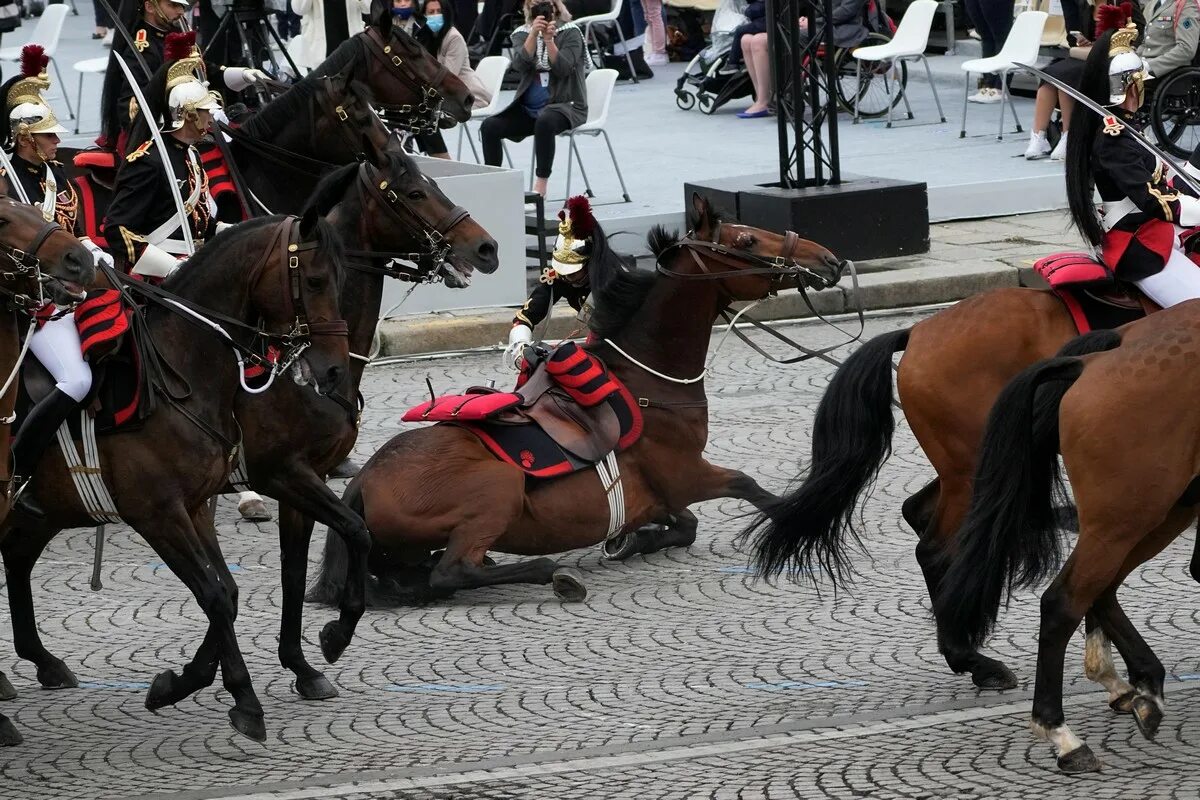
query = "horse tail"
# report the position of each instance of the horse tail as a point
(1010, 536)
(852, 436)
(335, 560)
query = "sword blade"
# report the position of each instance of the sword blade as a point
(1095, 107)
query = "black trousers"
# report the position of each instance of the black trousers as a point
(514, 124)
(993, 19)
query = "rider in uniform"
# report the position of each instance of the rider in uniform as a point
(566, 277)
(29, 134)
(149, 22)
(1143, 211)
(142, 225)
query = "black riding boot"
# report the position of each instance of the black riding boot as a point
(32, 440)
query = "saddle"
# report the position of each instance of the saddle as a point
(1094, 297)
(119, 398)
(566, 413)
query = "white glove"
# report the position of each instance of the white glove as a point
(238, 78)
(155, 262)
(98, 255)
(224, 226)
(518, 337)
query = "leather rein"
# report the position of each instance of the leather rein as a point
(421, 117)
(25, 264)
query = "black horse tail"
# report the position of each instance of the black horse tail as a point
(852, 436)
(1010, 536)
(335, 560)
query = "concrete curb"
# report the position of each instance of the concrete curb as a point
(923, 284)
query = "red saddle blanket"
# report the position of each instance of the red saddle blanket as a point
(1089, 290)
(510, 424)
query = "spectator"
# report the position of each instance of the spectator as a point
(756, 22)
(450, 47)
(758, 63)
(615, 56)
(102, 21)
(549, 56)
(656, 33)
(10, 16)
(993, 19)
(325, 24)
(406, 17)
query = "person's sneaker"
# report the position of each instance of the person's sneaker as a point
(985, 95)
(657, 59)
(1039, 146)
(1060, 149)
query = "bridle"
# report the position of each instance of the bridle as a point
(410, 219)
(422, 117)
(24, 265)
(779, 267)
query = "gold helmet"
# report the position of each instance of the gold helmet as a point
(575, 227)
(1127, 71)
(28, 111)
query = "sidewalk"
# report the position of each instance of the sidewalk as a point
(963, 258)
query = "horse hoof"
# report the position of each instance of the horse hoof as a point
(1124, 703)
(161, 691)
(993, 675)
(1079, 761)
(249, 724)
(568, 585)
(346, 469)
(57, 675)
(7, 692)
(623, 547)
(254, 511)
(333, 642)
(315, 688)
(1148, 716)
(9, 735)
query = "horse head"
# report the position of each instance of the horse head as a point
(769, 261)
(408, 80)
(348, 121)
(28, 243)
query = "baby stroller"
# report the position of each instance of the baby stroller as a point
(702, 81)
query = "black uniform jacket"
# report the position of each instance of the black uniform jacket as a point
(546, 294)
(32, 178)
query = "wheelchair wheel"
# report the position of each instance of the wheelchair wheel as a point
(1175, 112)
(870, 85)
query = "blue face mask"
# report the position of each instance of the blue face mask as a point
(435, 22)
(402, 13)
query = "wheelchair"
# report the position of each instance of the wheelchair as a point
(1174, 108)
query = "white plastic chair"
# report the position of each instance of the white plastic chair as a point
(1021, 46)
(600, 84)
(606, 19)
(89, 66)
(909, 43)
(46, 33)
(491, 74)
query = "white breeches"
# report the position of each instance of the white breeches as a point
(56, 345)
(1178, 281)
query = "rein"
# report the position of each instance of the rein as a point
(423, 117)
(26, 264)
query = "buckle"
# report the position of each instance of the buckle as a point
(300, 329)
(341, 113)
(293, 262)
(643, 402)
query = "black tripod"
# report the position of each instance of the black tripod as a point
(255, 34)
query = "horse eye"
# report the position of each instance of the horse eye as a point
(416, 194)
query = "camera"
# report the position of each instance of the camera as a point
(545, 10)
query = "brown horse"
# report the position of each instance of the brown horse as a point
(273, 281)
(954, 365)
(1131, 506)
(439, 487)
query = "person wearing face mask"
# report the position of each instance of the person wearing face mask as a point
(450, 48)
(324, 25)
(406, 17)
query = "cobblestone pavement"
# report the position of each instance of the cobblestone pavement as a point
(681, 676)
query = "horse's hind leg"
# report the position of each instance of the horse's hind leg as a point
(295, 531)
(919, 508)
(9, 735)
(20, 551)
(675, 530)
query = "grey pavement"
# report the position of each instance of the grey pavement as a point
(681, 675)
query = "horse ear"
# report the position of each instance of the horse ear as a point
(700, 209)
(383, 20)
(309, 221)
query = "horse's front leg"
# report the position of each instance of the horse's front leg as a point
(295, 531)
(20, 551)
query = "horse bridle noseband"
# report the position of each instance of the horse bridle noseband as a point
(438, 248)
(423, 117)
(779, 267)
(26, 264)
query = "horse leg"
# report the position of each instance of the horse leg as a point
(1194, 567)
(954, 497)
(919, 508)
(676, 530)
(1098, 663)
(461, 567)
(308, 495)
(9, 735)
(295, 531)
(188, 546)
(20, 552)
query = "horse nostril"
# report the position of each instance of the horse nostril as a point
(470, 101)
(487, 251)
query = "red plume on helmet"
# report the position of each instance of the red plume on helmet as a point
(1112, 17)
(580, 211)
(178, 45)
(33, 60)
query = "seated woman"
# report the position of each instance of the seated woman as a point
(550, 58)
(448, 45)
(758, 63)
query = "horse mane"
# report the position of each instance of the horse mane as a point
(333, 186)
(207, 258)
(660, 239)
(618, 287)
(287, 107)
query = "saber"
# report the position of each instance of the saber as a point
(15, 182)
(1092, 105)
(156, 135)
